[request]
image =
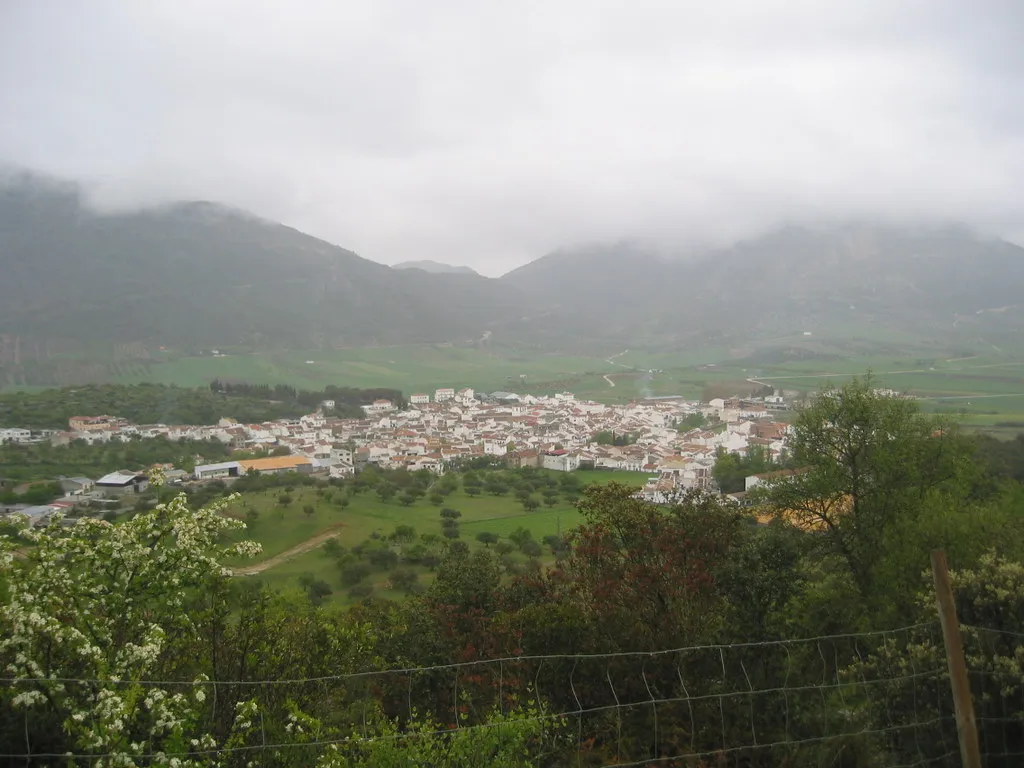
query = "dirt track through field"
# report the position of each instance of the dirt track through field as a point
(299, 549)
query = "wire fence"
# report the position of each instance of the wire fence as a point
(873, 698)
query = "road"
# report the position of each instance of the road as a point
(299, 549)
(611, 361)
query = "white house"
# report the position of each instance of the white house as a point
(378, 406)
(341, 454)
(496, 446)
(15, 435)
(341, 469)
(419, 399)
(444, 394)
(560, 460)
(122, 482)
(465, 395)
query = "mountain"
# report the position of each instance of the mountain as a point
(200, 275)
(435, 267)
(855, 280)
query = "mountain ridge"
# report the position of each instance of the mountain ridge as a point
(436, 267)
(196, 275)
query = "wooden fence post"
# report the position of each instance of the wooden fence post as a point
(966, 727)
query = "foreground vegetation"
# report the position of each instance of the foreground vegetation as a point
(670, 634)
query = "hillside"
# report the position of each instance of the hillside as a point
(435, 267)
(198, 275)
(867, 281)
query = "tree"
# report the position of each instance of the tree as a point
(865, 461)
(404, 533)
(308, 510)
(487, 538)
(531, 548)
(472, 490)
(404, 579)
(353, 573)
(692, 421)
(407, 499)
(333, 548)
(520, 535)
(104, 602)
(530, 503)
(646, 573)
(251, 516)
(436, 498)
(451, 532)
(732, 470)
(450, 514)
(496, 488)
(317, 591)
(284, 500)
(386, 491)
(504, 547)
(383, 558)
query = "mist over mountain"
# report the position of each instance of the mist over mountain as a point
(852, 280)
(196, 274)
(201, 274)
(434, 266)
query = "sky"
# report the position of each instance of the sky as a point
(488, 134)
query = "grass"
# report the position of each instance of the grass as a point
(409, 368)
(960, 368)
(279, 528)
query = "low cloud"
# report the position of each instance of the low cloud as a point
(488, 134)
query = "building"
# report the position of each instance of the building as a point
(15, 435)
(93, 423)
(217, 471)
(444, 394)
(522, 458)
(378, 406)
(419, 399)
(175, 476)
(74, 486)
(560, 460)
(37, 516)
(752, 481)
(274, 465)
(122, 483)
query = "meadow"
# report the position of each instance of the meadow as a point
(977, 381)
(310, 512)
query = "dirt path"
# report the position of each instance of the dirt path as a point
(608, 379)
(299, 549)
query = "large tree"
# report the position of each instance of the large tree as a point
(866, 460)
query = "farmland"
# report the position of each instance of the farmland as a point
(980, 382)
(283, 518)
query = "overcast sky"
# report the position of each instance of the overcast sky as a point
(487, 133)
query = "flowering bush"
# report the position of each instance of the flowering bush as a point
(85, 626)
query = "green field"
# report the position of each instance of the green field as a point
(409, 368)
(280, 528)
(978, 381)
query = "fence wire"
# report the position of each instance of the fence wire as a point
(874, 698)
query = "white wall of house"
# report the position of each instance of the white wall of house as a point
(566, 462)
